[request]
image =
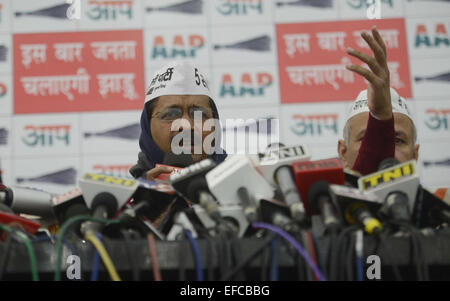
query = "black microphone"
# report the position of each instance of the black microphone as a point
(387, 163)
(321, 201)
(182, 160)
(191, 184)
(104, 206)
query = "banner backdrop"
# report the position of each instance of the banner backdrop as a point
(73, 75)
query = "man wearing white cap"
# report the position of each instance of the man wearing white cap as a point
(178, 106)
(379, 124)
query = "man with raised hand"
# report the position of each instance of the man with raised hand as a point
(379, 124)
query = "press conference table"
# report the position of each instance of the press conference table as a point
(172, 262)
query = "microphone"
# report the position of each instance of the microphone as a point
(177, 162)
(396, 208)
(248, 203)
(238, 198)
(430, 210)
(351, 177)
(104, 195)
(275, 158)
(355, 205)
(28, 201)
(321, 201)
(190, 183)
(68, 205)
(358, 213)
(393, 179)
(182, 160)
(309, 172)
(225, 180)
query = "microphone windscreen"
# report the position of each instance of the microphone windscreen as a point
(182, 160)
(387, 163)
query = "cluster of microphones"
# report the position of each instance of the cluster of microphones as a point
(278, 192)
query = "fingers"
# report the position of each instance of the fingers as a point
(370, 61)
(379, 40)
(371, 77)
(153, 173)
(376, 47)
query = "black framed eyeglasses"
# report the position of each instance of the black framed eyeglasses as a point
(173, 113)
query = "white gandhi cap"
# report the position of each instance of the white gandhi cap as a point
(177, 78)
(360, 105)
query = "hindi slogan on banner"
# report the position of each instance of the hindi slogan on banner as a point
(78, 72)
(312, 59)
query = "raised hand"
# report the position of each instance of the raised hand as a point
(378, 90)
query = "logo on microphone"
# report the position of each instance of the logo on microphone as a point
(438, 120)
(240, 7)
(109, 180)
(388, 175)
(180, 46)
(252, 85)
(440, 37)
(110, 10)
(121, 171)
(318, 165)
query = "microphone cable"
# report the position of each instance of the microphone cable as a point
(249, 257)
(197, 255)
(60, 237)
(336, 258)
(92, 238)
(128, 238)
(274, 271)
(95, 263)
(31, 253)
(154, 257)
(211, 255)
(296, 245)
(236, 253)
(6, 251)
(309, 243)
(264, 262)
(349, 261)
(359, 253)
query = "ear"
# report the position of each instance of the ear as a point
(342, 151)
(416, 152)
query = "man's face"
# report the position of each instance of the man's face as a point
(405, 148)
(174, 115)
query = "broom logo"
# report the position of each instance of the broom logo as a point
(128, 132)
(259, 44)
(61, 177)
(3, 136)
(192, 7)
(3, 53)
(307, 3)
(58, 12)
